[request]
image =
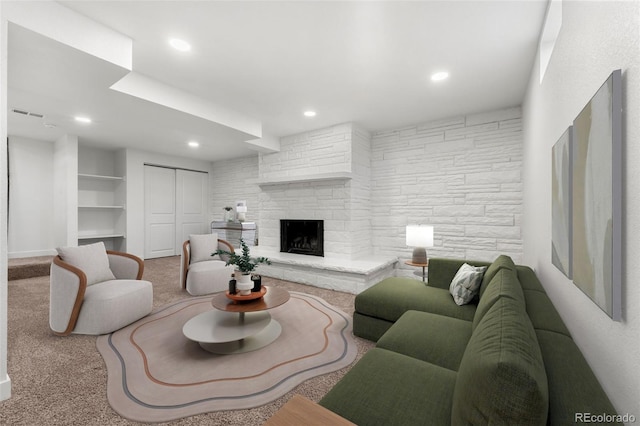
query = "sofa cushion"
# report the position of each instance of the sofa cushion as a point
(369, 328)
(573, 388)
(543, 314)
(502, 262)
(91, 259)
(501, 379)
(504, 284)
(428, 337)
(202, 246)
(392, 297)
(388, 388)
(441, 271)
(465, 283)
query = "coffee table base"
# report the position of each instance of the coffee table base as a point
(222, 332)
(269, 334)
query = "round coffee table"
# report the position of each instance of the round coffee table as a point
(237, 326)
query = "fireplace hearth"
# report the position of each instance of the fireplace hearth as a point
(302, 236)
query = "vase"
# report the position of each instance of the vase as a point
(244, 285)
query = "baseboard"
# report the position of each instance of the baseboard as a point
(5, 388)
(33, 253)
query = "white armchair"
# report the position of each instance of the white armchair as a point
(95, 291)
(200, 273)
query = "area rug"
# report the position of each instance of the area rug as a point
(156, 374)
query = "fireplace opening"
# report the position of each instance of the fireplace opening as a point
(302, 237)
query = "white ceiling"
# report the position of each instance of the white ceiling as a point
(359, 61)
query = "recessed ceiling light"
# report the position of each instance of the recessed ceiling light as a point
(309, 113)
(439, 76)
(83, 119)
(193, 144)
(180, 45)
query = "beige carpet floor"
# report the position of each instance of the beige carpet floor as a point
(63, 380)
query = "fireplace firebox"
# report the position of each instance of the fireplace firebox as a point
(302, 237)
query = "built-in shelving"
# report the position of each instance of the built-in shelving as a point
(101, 209)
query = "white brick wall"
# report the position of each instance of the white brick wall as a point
(319, 151)
(343, 205)
(462, 175)
(233, 180)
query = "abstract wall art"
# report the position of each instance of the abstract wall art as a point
(561, 202)
(597, 197)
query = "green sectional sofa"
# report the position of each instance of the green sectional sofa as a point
(506, 358)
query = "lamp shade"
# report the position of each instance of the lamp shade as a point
(241, 208)
(419, 236)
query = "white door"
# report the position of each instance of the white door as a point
(175, 206)
(191, 205)
(160, 212)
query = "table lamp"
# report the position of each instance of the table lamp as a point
(241, 210)
(419, 237)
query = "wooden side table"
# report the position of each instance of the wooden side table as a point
(423, 265)
(301, 411)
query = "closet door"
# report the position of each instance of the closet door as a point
(160, 212)
(175, 205)
(191, 205)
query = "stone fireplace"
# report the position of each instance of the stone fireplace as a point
(302, 237)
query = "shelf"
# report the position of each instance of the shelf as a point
(99, 236)
(101, 207)
(319, 177)
(100, 177)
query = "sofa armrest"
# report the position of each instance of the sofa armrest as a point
(185, 259)
(125, 266)
(67, 285)
(225, 245)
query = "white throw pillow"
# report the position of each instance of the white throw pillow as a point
(466, 284)
(91, 259)
(202, 246)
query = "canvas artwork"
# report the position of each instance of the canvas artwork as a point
(561, 201)
(597, 179)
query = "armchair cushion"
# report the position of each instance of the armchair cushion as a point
(208, 277)
(111, 305)
(202, 246)
(92, 259)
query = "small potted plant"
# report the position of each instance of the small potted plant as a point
(245, 264)
(228, 217)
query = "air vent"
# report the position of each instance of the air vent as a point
(30, 114)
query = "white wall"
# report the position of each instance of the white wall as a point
(595, 39)
(31, 224)
(65, 191)
(462, 175)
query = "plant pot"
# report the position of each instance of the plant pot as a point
(244, 285)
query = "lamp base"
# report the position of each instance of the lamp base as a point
(419, 255)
